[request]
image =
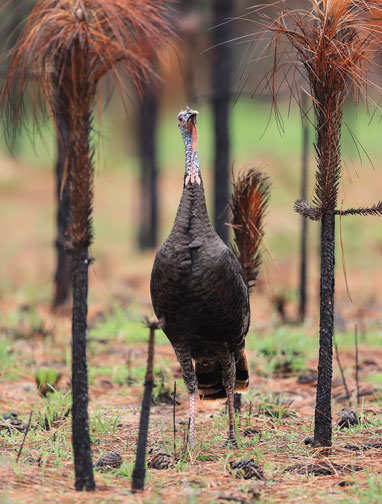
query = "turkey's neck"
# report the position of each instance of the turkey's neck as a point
(192, 163)
(192, 216)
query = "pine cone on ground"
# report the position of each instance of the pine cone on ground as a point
(347, 419)
(159, 460)
(108, 462)
(246, 469)
(33, 460)
(250, 432)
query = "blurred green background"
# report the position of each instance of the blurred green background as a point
(27, 201)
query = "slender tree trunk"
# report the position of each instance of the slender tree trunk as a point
(63, 275)
(75, 99)
(80, 420)
(148, 229)
(221, 95)
(323, 412)
(139, 472)
(329, 122)
(304, 222)
(81, 197)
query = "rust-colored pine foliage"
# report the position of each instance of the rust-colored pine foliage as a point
(111, 32)
(248, 204)
(67, 46)
(331, 45)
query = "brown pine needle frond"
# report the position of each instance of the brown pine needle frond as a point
(108, 33)
(375, 210)
(248, 206)
(308, 211)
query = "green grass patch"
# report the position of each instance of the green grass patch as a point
(46, 380)
(123, 325)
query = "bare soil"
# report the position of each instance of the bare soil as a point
(274, 437)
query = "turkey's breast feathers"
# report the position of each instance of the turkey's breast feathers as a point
(197, 284)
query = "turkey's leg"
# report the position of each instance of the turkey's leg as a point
(228, 364)
(231, 416)
(191, 431)
(183, 355)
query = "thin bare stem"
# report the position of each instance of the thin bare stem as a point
(139, 472)
(174, 418)
(356, 362)
(25, 436)
(341, 371)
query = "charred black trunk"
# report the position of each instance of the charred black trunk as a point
(139, 472)
(148, 229)
(328, 111)
(80, 420)
(221, 94)
(304, 222)
(76, 109)
(323, 411)
(63, 275)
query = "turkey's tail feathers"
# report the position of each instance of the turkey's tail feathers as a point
(242, 375)
(210, 383)
(248, 206)
(210, 378)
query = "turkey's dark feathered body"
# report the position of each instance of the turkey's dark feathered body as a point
(197, 288)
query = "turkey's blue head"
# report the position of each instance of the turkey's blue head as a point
(187, 126)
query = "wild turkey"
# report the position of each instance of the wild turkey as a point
(199, 288)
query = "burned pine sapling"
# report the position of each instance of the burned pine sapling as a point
(139, 472)
(333, 43)
(70, 45)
